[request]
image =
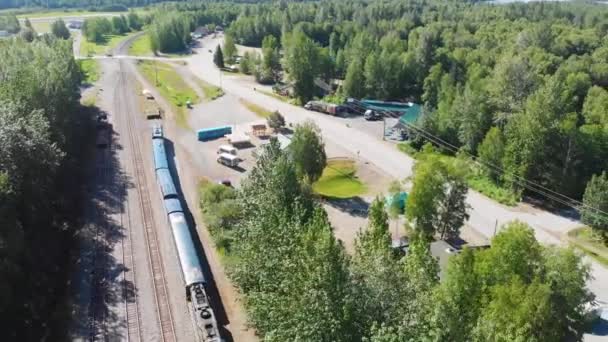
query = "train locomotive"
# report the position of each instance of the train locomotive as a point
(192, 272)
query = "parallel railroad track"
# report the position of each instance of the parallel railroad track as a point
(99, 281)
(164, 316)
(131, 308)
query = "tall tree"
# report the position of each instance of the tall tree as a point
(218, 57)
(229, 49)
(59, 30)
(594, 211)
(491, 152)
(301, 57)
(307, 151)
(437, 201)
(271, 64)
(354, 83)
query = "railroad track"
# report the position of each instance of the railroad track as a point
(161, 297)
(131, 308)
(98, 293)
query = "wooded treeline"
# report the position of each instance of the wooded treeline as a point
(41, 141)
(536, 72)
(299, 284)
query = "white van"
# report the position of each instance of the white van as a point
(228, 159)
(229, 149)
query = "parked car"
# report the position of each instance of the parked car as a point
(372, 115)
(225, 182)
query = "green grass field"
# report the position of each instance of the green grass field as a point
(171, 86)
(66, 13)
(141, 46)
(90, 70)
(591, 243)
(91, 48)
(339, 180)
(211, 92)
(259, 111)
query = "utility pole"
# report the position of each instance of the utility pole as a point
(220, 70)
(383, 127)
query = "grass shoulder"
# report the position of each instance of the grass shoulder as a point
(141, 46)
(476, 179)
(171, 86)
(211, 92)
(339, 180)
(276, 96)
(110, 42)
(591, 243)
(89, 69)
(258, 110)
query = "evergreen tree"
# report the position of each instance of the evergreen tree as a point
(218, 57)
(59, 30)
(595, 204)
(302, 57)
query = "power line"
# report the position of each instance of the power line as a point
(530, 185)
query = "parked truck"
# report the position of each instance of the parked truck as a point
(324, 107)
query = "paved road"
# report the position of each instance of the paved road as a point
(485, 213)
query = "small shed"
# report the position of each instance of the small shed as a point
(259, 130)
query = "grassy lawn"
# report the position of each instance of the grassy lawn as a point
(259, 111)
(141, 46)
(592, 244)
(91, 48)
(276, 96)
(339, 180)
(89, 69)
(171, 87)
(211, 92)
(486, 186)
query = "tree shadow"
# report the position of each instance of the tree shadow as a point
(354, 206)
(211, 287)
(100, 277)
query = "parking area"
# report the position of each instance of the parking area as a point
(347, 216)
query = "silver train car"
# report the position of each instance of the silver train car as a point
(192, 272)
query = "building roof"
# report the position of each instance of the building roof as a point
(411, 114)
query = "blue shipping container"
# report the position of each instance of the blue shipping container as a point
(213, 133)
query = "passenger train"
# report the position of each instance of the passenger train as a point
(205, 321)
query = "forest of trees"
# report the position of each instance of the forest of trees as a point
(521, 88)
(529, 77)
(42, 134)
(299, 284)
